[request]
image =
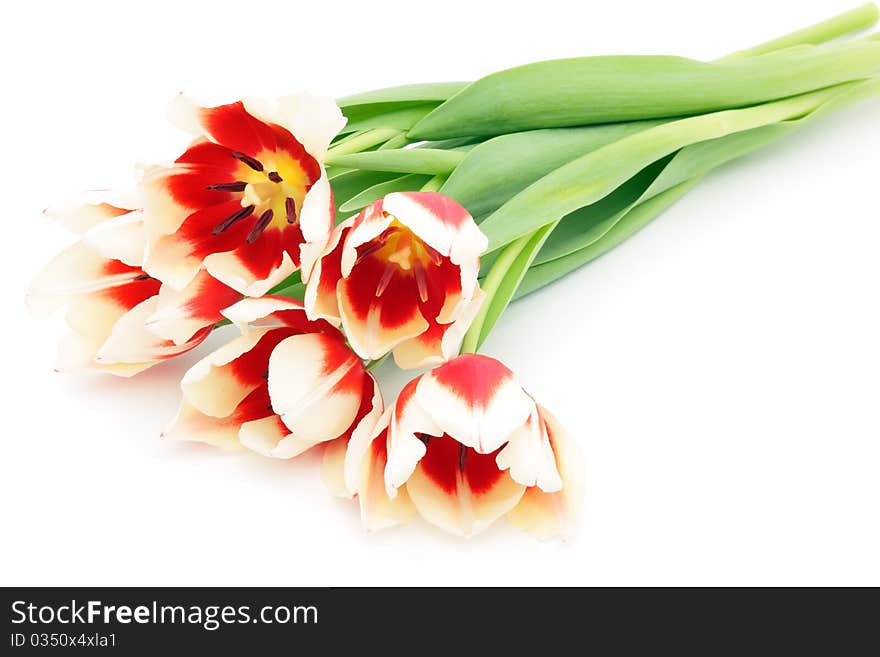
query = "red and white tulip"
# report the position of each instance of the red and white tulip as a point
(285, 385)
(245, 196)
(462, 446)
(111, 300)
(401, 276)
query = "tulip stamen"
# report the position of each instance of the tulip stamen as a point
(374, 246)
(233, 218)
(260, 226)
(421, 281)
(424, 437)
(385, 280)
(142, 277)
(274, 177)
(252, 162)
(290, 210)
(237, 186)
(462, 457)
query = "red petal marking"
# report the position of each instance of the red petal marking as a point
(250, 368)
(255, 406)
(409, 390)
(446, 457)
(232, 126)
(189, 188)
(110, 211)
(297, 319)
(399, 300)
(210, 296)
(197, 229)
(331, 267)
(207, 154)
(129, 294)
(265, 254)
(443, 279)
(473, 377)
(441, 206)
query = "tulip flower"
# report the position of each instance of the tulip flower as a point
(401, 276)
(245, 196)
(284, 385)
(111, 300)
(462, 446)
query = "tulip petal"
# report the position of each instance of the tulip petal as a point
(444, 225)
(92, 209)
(476, 399)
(460, 490)
(182, 313)
(119, 238)
(192, 425)
(376, 323)
(315, 120)
(548, 514)
(219, 382)
(321, 270)
(361, 437)
(79, 270)
(130, 341)
(378, 510)
(529, 456)
(254, 269)
(264, 436)
(440, 342)
(316, 385)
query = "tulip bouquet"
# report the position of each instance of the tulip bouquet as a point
(402, 222)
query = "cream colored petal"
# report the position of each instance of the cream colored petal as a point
(193, 425)
(229, 269)
(265, 436)
(379, 511)
(529, 457)
(462, 512)
(554, 514)
(77, 270)
(211, 386)
(121, 238)
(313, 120)
(307, 385)
(481, 405)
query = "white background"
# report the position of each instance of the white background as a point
(721, 369)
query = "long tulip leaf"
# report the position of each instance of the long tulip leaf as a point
(689, 165)
(591, 177)
(589, 90)
(407, 183)
(497, 169)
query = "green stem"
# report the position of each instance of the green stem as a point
(490, 286)
(848, 22)
(360, 142)
(854, 20)
(434, 184)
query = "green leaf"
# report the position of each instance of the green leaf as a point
(560, 256)
(633, 221)
(348, 185)
(405, 160)
(590, 90)
(412, 93)
(497, 169)
(409, 183)
(593, 176)
(402, 119)
(500, 285)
